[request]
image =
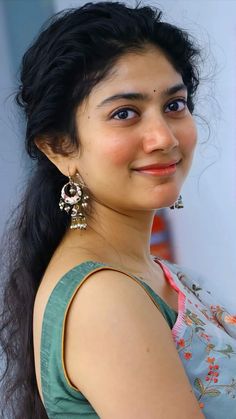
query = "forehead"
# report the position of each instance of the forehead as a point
(146, 70)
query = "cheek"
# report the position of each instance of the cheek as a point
(117, 151)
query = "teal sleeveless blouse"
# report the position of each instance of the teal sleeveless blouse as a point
(61, 399)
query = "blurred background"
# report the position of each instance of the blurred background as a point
(202, 235)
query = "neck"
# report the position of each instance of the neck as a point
(118, 237)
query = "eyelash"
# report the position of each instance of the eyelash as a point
(183, 101)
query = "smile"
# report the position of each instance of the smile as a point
(164, 171)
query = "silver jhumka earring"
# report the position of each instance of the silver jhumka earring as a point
(178, 204)
(74, 201)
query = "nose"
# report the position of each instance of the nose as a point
(158, 135)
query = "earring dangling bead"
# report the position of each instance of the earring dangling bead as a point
(178, 204)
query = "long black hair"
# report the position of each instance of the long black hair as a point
(73, 52)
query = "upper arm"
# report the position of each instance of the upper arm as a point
(120, 353)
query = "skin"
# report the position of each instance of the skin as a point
(156, 129)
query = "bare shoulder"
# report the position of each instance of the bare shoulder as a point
(119, 352)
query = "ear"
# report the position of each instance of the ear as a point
(64, 161)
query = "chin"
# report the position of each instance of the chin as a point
(167, 202)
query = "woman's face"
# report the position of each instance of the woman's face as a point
(134, 118)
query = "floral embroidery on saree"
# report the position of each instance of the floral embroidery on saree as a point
(205, 338)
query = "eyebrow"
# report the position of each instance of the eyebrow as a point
(142, 96)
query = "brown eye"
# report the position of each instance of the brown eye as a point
(177, 105)
(125, 113)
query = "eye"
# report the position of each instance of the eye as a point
(124, 113)
(177, 105)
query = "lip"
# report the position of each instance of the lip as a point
(157, 166)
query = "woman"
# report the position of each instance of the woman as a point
(94, 326)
